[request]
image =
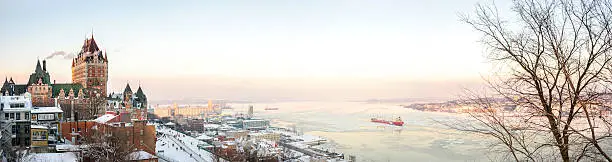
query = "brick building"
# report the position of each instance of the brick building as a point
(135, 132)
(90, 68)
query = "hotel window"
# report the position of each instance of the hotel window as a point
(6, 115)
(18, 116)
(12, 116)
(27, 116)
(13, 129)
(17, 105)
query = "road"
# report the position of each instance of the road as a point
(194, 154)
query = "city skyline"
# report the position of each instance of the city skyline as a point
(348, 49)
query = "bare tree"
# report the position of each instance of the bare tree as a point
(555, 58)
(96, 103)
(107, 147)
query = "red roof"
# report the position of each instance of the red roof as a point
(90, 45)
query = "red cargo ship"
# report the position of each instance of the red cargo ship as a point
(398, 121)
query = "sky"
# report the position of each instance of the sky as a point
(255, 50)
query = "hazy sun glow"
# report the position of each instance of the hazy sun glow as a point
(352, 49)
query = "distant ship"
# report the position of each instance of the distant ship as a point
(398, 121)
(271, 108)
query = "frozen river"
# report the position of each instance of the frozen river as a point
(347, 125)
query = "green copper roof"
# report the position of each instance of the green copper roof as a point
(140, 94)
(39, 73)
(17, 89)
(38, 67)
(56, 88)
(127, 89)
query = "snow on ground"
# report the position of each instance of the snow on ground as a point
(51, 157)
(168, 150)
(140, 155)
(180, 147)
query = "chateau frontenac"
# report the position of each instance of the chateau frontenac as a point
(89, 80)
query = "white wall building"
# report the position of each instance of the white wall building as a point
(15, 113)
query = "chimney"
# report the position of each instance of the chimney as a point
(45, 65)
(53, 81)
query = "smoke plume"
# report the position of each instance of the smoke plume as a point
(64, 54)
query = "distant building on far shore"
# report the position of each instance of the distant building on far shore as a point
(214, 107)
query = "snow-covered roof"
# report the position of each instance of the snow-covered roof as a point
(51, 157)
(213, 126)
(42, 110)
(203, 137)
(67, 148)
(140, 155)
(105, 118)
(38, 127)
(229, 142)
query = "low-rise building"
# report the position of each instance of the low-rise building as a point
(39, 138)
(136, 133)
(194, 125)
(271, 136)
(15, 111)
(255, 124)
(237, 134)
(49, 117)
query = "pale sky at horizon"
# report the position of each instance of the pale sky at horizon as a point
(243, 49)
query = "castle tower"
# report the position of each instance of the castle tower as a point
(90, 67)
(127, 97)
(39, 86)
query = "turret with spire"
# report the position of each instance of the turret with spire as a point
(127, 97)
(39, 74)
(141, 98)
(38, 67)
